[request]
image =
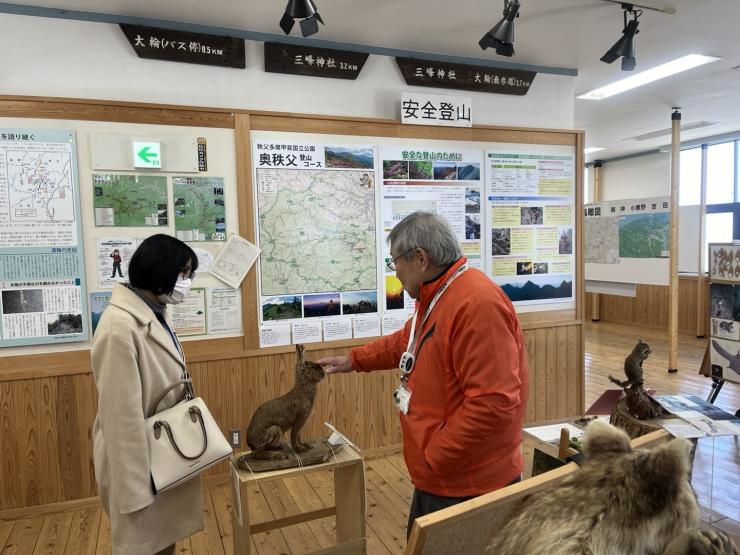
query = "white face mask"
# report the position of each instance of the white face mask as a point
(182, 288)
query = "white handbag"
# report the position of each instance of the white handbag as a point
(184, 440)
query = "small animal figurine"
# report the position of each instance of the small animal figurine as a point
(288, 412)
(633, 365)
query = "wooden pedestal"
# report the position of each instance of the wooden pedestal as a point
(349, 498)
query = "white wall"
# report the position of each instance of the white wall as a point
(54, 57)
(641, 177)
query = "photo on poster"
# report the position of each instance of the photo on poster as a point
(726, 329)
(538, 288)
(531, 215)
(421, 169)
(285, 307)
(321, 304)
(644, 235)
(359, 302)
(98, 303)
(725, 356)
(395, 169)
(349, 157)
(501, 241)
(472, 226)
(724, 262)
(736, 309)
(393, 293)
(565, 240)
(540, 268)
(21, 301)
(445, 171)
(722, 301)
(63, 323)
(472, 200)
(468, 172)
(524, 268)
(601, 240)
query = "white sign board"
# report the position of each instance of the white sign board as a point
(147, 154)
(436, 109)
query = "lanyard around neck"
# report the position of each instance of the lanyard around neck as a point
(412, 336)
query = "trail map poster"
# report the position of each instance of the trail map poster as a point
(42, 288)
(628, 241)
(316, 229)
(532, 204)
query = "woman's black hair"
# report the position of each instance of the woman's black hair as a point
(158, 261)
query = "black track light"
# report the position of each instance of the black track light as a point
(306, 11)
(501, 36)
(625, 47)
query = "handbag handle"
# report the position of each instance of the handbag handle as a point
(155, 404)
(195, 416)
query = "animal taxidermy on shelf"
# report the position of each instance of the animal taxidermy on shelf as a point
(288, 412)
(639, 403)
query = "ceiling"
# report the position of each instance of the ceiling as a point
(558, 33)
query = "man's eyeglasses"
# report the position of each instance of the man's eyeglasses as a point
(391, 264)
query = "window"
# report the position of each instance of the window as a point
(721, 173)
(690, 177)
(718, 230)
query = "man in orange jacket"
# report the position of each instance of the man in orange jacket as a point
(463, 391)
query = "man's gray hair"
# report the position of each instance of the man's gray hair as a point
(426, 231)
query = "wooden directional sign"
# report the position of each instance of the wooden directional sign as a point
(180, 46)
(426, 73)
(315, 62)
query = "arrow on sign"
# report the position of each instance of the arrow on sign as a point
(145, 155)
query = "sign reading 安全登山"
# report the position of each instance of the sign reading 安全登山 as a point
(147, 154)
(434, 109)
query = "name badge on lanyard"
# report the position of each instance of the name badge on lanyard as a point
(402, 395)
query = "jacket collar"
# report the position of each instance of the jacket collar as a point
(125, 299)
(428, 289)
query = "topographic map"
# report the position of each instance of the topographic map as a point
(40, 186)
(317, 231)
(130, 200)
(601, 236)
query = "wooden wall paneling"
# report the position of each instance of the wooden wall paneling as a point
(70, 437)
(561, 369)
(575, 387)
(551, 391)
(10, 449)
(47, 434)
(540, 365)
(649, 308)
(87, 408)
(530, 340)
(27, 426)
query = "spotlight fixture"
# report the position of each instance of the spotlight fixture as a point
(501, 36)
(625, 46)
(305, 10)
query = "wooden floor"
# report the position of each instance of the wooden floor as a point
(716, 472)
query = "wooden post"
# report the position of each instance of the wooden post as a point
(673, 280)
(595, 297)
(701, 294)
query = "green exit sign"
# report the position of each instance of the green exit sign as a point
(147, 154)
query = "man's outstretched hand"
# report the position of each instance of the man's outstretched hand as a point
(334, 365)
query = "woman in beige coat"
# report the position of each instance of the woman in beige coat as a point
(135, 357)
